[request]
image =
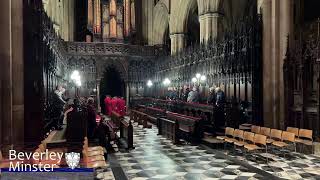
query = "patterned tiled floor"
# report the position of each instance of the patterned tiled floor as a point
(290, 166)
(155, 157)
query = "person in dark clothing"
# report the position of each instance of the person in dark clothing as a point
(219, 108)
(76, 123)
(235, 115)
(186, 94)
(58, 103)
(91, 123)
(212, 97)
(220, 97)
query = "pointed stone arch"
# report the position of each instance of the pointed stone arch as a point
(160, 22)
(119, 63)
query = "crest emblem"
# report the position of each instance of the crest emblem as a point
(72, 159)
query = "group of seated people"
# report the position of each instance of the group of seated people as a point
(216, 95)
(116, 104)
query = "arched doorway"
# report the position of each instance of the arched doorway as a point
(111, 84)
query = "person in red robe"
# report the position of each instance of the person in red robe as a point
(122, 106)
(114, 102)
(108, 106)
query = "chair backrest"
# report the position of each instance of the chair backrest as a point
(42, 148)
(238, 134)
(260, 139)
(255, 129)
(265, 131)
(248, 136)
(276, 134)
(305, 133)
(1, 156)
(293, 130)
(288, 136)
(229, 131)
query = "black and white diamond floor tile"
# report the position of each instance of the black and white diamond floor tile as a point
(155, 157)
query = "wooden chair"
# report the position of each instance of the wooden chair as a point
(259, 143)
(228, 133)
(265, 131)
(287, 138)
(93, 158)
(248, 138)
(293, 130)
(92, 151)
(93, 161)
(275, 135)
(255, 129)
(236, 134)
(94, 148)
(241, 139)
(305, 138)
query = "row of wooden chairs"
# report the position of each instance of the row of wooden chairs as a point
(253, 141)
(302, 136)
(93, 157)
(248, 140)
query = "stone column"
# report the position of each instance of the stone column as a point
(133, 16)
(286, 30)
(210, 18)
(49, 8)
(127, 17)
(178, 42)
(71, 19)
(53, 10)
(90, 14)
(277, 25)
(265, 8)
(97, 17)
(12, 69)
(65, 21)
(105, 21)
(210, 26)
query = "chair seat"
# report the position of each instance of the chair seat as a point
(56, 162)
(94, 153)
(280, 144)
(303, 141)
(221, 137)
(95, 148)
(252, 147)
(96, 164)
(269, 141)
(95, 158)
(230, 140)
(240, 143)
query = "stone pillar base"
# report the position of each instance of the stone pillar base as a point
(178, 42)
(210, 26)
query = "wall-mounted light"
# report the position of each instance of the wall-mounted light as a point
(166, 81)
(149, 83)
(198, 76)
(203, 78)
(75, 76)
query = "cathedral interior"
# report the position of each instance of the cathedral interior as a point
(162, 89)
